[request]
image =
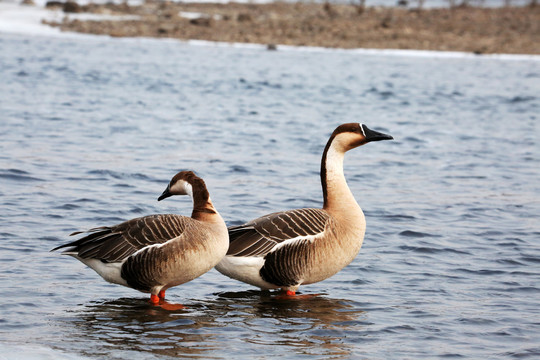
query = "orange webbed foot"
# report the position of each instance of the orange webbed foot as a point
(157, 300)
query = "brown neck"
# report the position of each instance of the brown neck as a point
(202, 205)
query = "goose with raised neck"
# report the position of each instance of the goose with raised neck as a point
(296, 247)
(156, 252)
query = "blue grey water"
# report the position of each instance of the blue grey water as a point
(92, 129)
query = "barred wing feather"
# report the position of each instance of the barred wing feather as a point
(116, 243)
(258, 237)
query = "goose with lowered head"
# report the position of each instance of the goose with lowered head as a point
(156, 252)
(303, 246)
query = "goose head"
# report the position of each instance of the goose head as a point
(181, 184)
(344, 138)
(351, 135)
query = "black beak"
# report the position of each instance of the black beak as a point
(372, 135)
(165, 194)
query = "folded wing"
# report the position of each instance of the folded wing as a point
(260, 236)
(116, 243)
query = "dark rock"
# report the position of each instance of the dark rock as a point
(54, 4)
(243, 17)
(329, 10)
(71, 7)
(202, 21)
(167, 28)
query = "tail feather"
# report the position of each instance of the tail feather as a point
(95, 235)
(93, 230)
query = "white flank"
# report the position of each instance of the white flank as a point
(245, 269)
(111, 272)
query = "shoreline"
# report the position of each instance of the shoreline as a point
(514, 30)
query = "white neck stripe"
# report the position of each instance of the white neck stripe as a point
(362, 128)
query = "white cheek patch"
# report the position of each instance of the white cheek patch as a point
(188, 188)
(182, 187)
(343, 142)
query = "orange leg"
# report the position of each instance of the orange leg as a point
(290, 293)
(154, 299)
(162, 294)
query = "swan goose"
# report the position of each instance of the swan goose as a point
(303, 246)
(156, 252)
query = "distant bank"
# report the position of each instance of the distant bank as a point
(504, 30)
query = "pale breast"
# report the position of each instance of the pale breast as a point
(179, 260)
(333, 252)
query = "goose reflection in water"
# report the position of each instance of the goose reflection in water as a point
(315, 326)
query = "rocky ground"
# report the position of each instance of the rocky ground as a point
(512, 30)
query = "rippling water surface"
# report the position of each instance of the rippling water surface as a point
(92, 129)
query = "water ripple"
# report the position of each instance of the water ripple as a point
(17, 175)
(449, 264)
(432, 250)
(416, 234)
